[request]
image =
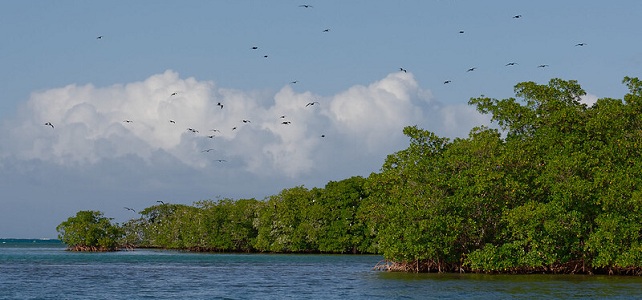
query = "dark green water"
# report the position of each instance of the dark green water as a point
(34, 269)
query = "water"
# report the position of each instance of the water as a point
(36, 269)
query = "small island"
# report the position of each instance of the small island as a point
(555, 188)
(89, 231)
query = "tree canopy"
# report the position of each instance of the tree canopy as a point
(89, 231)
(554, 186)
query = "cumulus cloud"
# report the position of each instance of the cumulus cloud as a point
(379, 111)
(279, 134)
(94, 159)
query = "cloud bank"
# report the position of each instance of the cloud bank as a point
(188, 139)
(277, 134)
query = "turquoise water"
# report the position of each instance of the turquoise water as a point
(35, 269)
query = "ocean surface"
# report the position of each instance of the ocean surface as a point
(42, 269)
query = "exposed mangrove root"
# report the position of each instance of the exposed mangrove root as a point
(418, 266)
(571, 267)
(82, 248)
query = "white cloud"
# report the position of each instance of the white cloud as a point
(379, 111)
(91, 123)
(94, 160)
(588, 99)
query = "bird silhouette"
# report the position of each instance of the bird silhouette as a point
(286, 122)
(127, 208)
(580, 44)
(471, 69)
(542, 66)
(160, 201)
(295, 81)
(220, 160)
(174, 94)
(233, 128)
(511, 64)
(49, 124)
(215, 130)
(265, 56)
(100, 37)
(323, 135)
(208, 150)
(461, 31)
(172, 121)
(326, 30)
(403, 70)
(517, 16)
(128, 121)
(210, 136)
(246, 121)
(306, 6)
(192, 130)
(255, 47)
(311, 103)
(447, 82)
(220, 104)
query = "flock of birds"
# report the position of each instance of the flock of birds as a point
(221, 106)
(214, 132)
(282, 119)
(312, 103)
(508, 64)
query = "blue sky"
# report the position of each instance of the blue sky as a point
(54, 69)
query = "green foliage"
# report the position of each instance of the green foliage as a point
(89, 231)
(555, 189)
(342, 225)
(286, 222)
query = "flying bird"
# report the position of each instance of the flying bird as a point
(323, 135)
(172, 121)
(403, 70)
(517, 16)
(49, 124)
(215, 130)
(208, 150)
(174, 94)
(100, 37)
(127, 208)
(265, 56)
(246, 121)
(160, 201)
(293, 82)
(311, 103)
(447, 82)
(286, 122)
(282, 117)
(220, 160)
(580, 44)
(471, 69)
(542, 66)
(192, 130)
(210, 136)
(220, 104)
(511, 64)
(305, 6)
(233, 128)
(255, 47)
(461, 31)
(128, 121)
(326, 30)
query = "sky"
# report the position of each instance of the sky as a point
(325, 94)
